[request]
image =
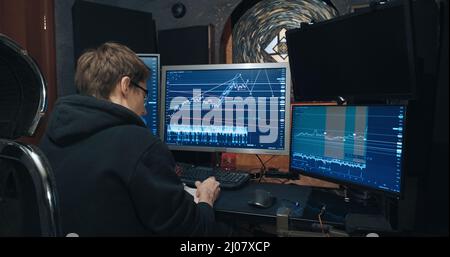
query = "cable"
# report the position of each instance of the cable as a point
(262, 163)
(321, 224)
(271, 158)
(263, 168)
(329, 214)
(320, 220)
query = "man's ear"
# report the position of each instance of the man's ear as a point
(124, 85)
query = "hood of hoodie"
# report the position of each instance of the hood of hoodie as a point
(77, 117)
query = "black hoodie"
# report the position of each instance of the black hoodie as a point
(114, 178)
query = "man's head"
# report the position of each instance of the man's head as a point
(113, 72)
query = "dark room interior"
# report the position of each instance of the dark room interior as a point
(313, 118)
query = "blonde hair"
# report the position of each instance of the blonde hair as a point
(99, 70)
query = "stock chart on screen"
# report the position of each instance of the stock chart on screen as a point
(151, 119)
(227, 106)
(361, 145)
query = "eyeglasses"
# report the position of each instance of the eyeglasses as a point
(143, 89)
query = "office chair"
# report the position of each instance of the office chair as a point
(28, 197)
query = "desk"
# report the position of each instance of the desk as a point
(232, 205)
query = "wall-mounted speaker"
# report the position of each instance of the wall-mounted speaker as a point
(94, 24)
(186, 46)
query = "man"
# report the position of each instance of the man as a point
(113, 176)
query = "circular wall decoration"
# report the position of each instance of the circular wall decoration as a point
(259, 35)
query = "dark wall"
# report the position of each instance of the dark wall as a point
(198, 12)
(424, 208)
(434, 206)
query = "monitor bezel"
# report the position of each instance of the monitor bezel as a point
(230, 66)
(158, 89)
(347, 182)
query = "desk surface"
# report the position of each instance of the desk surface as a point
(305, 204)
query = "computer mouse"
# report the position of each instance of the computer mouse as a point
(261, 198)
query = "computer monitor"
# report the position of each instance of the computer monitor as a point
(367, 55)
(360, 146)
(152, 118)
(241, 108)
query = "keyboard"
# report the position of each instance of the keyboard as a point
(227, 179)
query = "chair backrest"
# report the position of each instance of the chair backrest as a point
(23, 97)
(28, 197)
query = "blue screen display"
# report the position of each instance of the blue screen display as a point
(360, 145)
(151, 119)
(232, 108)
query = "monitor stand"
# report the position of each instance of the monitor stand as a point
(361, 197)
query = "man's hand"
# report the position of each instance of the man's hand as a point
(208, 190)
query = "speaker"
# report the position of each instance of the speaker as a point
(186, 46)
(94, 24)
